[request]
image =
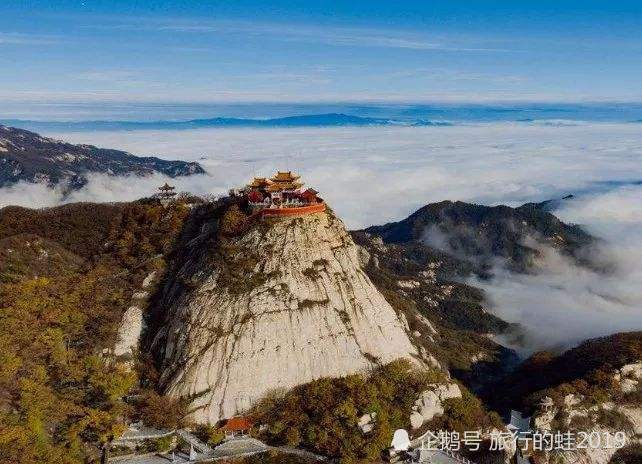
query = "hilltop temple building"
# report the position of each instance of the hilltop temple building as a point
(283, 194)
(166, 194)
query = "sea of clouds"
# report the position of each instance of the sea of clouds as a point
(562, 304)
(373, 175)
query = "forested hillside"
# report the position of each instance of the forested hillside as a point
(66, 276)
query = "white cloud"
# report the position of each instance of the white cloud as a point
(563, 304)
(329, 35)
(30, 195)
(380, 174)
(15, 38)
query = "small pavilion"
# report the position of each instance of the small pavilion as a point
(237, 426)
(166, 193)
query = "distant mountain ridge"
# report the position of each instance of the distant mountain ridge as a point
(337, 116)
(480, 234)
(406, 112)
(27, 156)
(309, 120)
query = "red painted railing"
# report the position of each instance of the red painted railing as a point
(275, 212)
(316, 208)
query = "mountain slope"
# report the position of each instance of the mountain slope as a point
(545, 370)
(284, 303)
(425, 256)
(67, 275)
(421, 263)
(594, 388)
(480, 234)
(447, 318)
(26, 156)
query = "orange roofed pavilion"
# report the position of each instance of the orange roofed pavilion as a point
(238, 425)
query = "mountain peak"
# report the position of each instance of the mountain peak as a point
(483, 233)
(281, 304)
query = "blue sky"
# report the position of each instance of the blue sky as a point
(245, 51)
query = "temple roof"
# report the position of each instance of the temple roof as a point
(259, 182)
(284, 176)
(278, 186)
(166, 187)
(238, 424)
(282, 180)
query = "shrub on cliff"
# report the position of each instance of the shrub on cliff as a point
(232, 221)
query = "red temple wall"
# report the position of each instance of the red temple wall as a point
(317, 208)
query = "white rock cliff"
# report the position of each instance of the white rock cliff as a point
(283, 304)
(430, 403)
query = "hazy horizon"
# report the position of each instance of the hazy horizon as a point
(402, 112)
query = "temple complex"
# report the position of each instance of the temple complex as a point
(283, 194)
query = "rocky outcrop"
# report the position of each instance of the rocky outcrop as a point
(606, 418)
(129, 331)
(283, 304)
(132, 323)
(629, 377)
(430, 403)
(367, 422)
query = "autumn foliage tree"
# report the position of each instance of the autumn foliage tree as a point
(162, 411)
(56, 393)
(61, 394)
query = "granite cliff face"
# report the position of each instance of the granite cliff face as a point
(281, 304)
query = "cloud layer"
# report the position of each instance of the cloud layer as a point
(563, 304)
(376, 175)
(372, 175)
